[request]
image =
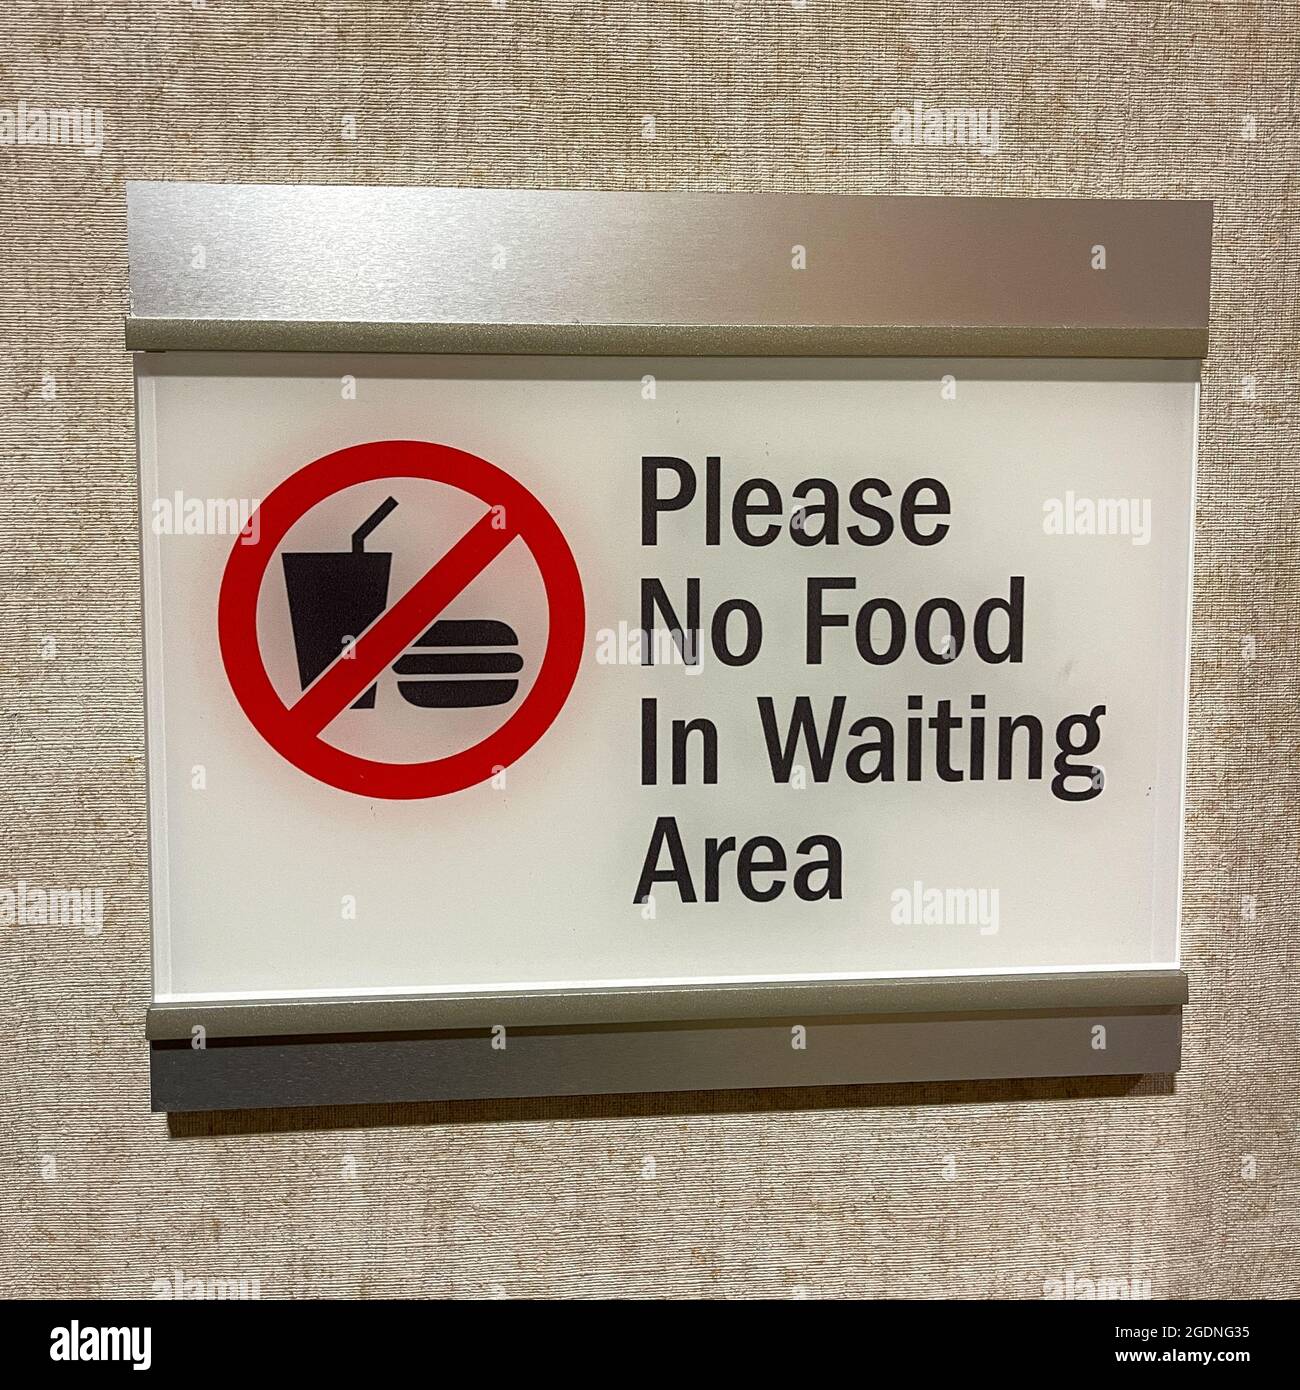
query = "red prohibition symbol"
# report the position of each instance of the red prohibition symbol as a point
(294, 731)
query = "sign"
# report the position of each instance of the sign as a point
(470, 675)
(598, 655)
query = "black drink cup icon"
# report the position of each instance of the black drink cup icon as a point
(334, 596)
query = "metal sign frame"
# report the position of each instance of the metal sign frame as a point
(351, 269)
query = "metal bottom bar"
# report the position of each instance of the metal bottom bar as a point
(647, 1005)
(251, 1073)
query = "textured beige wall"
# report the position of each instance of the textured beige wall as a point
(838, 1193)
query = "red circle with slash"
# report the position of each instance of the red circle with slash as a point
(294, 730)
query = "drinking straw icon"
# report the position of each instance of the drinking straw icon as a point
(334, 595)
(369, 524)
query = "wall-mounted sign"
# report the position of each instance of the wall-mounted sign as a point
(837, 698)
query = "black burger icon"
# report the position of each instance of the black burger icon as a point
(460, 663)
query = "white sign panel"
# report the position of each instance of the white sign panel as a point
(494, 674)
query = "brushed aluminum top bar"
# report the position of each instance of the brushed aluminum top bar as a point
(305, 268)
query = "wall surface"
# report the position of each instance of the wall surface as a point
(1191, 1184)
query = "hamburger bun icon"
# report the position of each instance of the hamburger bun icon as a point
(460, 663)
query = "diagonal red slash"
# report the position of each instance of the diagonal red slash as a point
(391, 633)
